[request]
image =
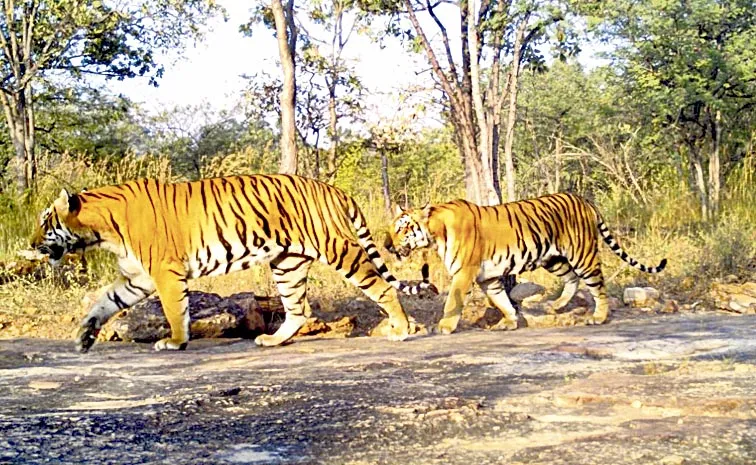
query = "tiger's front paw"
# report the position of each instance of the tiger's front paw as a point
(505, 324)
(448, 325)
(399, 331)
(170, 344)
(596, 320)
(268, 340)
(87, 334)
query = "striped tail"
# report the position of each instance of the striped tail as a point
(623, 255)
(366, 241)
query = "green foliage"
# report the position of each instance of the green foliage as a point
(422, 169)
(683, 62)
(329, 92)
(193, 136)
(117, 40)
(572, 135)
(45, 43)
(86, 121)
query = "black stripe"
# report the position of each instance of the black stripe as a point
(117, 229)
(353, 269)
(116, 299)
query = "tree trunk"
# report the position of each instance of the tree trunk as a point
(489, 195)
(332, 127)
(29, 137)
(698, 177)
(19, 116)
(714, 167)
(557, 160)
(469, 151)
(385, 182)
(514, 78)
(494, 101)
(286, 33)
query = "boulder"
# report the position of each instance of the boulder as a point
(526, 292)
(639, 297)
(256, 308)
(342, 327)
(338, 328)
(211, 316)
(740, 298)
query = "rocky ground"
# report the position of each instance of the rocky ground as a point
(656, 389)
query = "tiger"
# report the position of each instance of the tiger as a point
(166, 233)
(557, 232)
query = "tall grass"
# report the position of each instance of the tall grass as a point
(669, 225)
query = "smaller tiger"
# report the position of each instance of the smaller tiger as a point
(558, 232)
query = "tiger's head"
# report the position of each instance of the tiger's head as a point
(59, 231)
(409, 231)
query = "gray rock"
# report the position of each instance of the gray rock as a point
(526, 290)
(211, 316)
(662, 389)
(641, 296)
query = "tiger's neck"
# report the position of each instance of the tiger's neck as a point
(97, 223)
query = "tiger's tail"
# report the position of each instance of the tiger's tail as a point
(612, 243)
(366, 241)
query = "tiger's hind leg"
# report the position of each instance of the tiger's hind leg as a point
(560, 267)
(358, 269)
(497, 294)
(595, 282)
(588, 267)
(290, 275)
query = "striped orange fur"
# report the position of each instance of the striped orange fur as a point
(480, 244)
(165, 234)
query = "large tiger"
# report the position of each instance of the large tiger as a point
(164, 234)
(481, 244)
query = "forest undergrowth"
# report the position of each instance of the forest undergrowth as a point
(668, 225)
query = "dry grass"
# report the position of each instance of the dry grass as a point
(669, 226)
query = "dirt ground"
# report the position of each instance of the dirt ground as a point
(651, 389)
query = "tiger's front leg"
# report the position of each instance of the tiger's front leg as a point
(171, 284)
(455, 301)
(128, 290)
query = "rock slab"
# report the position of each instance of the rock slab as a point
(211, 316)
(739, 298)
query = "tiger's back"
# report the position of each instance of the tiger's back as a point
(221, 225)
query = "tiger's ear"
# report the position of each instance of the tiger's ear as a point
(426, 210)
(74, 203)
(398, 210)
(67, 203)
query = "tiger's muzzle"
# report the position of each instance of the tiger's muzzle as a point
(402, 251)
(54, 252)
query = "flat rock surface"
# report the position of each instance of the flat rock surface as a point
(670, 389)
